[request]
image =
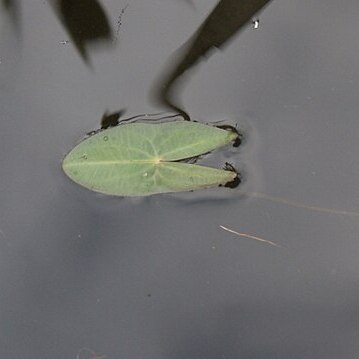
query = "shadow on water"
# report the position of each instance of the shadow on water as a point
(227, 18)
(85, 22)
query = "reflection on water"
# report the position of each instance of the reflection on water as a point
(111, 119)
(85, 21)
(227, 18)
(12, 8)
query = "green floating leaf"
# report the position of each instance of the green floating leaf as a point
(136, 159)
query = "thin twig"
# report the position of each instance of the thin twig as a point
(249, 236)
(300, 205)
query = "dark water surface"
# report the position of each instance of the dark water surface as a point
(157, 277)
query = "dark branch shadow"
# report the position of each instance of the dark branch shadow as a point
(227, 18)
(85, 22)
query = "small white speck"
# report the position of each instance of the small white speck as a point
(255, 24)
(79, 236)
(64, 42)
(145, 174)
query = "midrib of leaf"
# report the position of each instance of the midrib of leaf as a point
(183, 148)
(144, 161)
(153, 161)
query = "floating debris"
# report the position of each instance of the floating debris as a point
(119, 23)
(255, 23)
(249, 236)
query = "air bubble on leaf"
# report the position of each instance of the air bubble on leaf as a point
(105, 138)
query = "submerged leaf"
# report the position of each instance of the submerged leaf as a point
(136, 159)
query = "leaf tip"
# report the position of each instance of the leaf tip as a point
(235, 135)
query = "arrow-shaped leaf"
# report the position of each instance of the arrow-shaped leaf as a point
(137, 159)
